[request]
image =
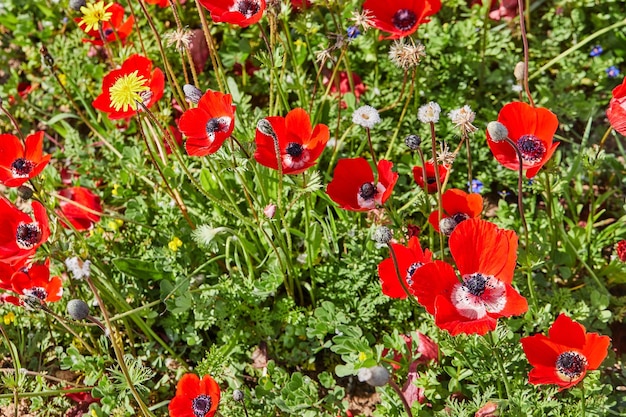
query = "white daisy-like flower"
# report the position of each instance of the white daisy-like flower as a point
(366, 116)
(429, 113)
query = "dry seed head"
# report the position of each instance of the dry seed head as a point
(405, 55)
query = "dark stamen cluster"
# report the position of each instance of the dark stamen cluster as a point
(476, 284)
(248, 8)
(531, 148)
(38, 292)
(294, 149)
(27, 235)
(367, 191)
(404, 19)
(411, 270)
(201, 405)
(22, 167)
(571, 364)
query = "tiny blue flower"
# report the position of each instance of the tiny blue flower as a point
(595, 51)
(612, 71)
(353, 32)
(477, 186)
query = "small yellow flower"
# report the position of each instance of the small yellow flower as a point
(299, 43)
(362, 356)
(95, 13)
(174, 244)
(63, 79)
(125, 93)
(114, 191)
(8, 318)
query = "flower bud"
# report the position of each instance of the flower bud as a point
(497, 131)
(376, 376)
(238, 395)
(447, 225)
(266, 128)
(77, 4)
(382, 235)
(25, 192)
(413, 142)
(192, 94)
(77, 309)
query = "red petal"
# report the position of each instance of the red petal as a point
(390, 281)
(349, 175)
(596, 349)
(10, 149)
(565, 331)
(431, 280)
(448, 318)
(386, 177)
(541, 351)
(492, 251)
(516, 304)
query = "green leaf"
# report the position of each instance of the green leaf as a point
(140, 269)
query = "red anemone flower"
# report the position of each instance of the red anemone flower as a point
(76, 210)
(124, 87)
(400, 18)
(237, 12)
(300, 145)
(113, 29)
(195, 397)
(354, 188)
(409, 260)
(418, 175)
(617, 109)
(35, 281)
(208, 125)
(485, 257)
(20, 236)
(458, 205)
(19, 163)
(532, 130)
(565, 355)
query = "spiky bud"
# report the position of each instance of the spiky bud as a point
(238, 395)
(77, 4)
(382, 235)
(192, 94)
(447, 225)
(376, 376)
(77, 309)
(497, 131)
(25, 192)
(413, 142)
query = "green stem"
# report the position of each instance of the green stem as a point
(433, 138)
(503, 374)
(583, 404)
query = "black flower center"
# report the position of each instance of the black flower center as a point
(294, 149)
(404, 19)
(216, 124)
(459, 217)
(27, 235)
(21, 167)
(367, 191)
(431, 180)
(201, 405)
(411, 270)
(531, 148)
(571, 364)
(108, 31)
(476, 284)
(38, 292)
(248, 8)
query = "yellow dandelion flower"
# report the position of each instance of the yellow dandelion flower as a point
(125, 92)
(114, 191)
(94, 14)
(174, 244)
(8, 318)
